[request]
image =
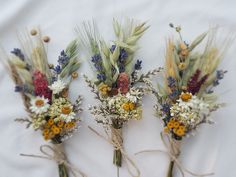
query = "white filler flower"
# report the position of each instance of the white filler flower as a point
(57, 86)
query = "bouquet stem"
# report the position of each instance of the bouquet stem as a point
(62, 170)
(175, 150)
(117, 158)
(117, 138)
(170, 169)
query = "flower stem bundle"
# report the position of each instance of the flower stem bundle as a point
(186, 98)
(117, 78)
(44, 90)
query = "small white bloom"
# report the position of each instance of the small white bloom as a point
(68, 117)
(57, 86)
(131, 98)
(39, 105)
(67, 114)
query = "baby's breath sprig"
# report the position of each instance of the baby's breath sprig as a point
(92, 86)
(149, 74)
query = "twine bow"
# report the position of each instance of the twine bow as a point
(57, 154)
(116, 141)
(173, 151)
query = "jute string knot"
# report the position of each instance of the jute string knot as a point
(173, 151)
(116, 140)
(57, 154)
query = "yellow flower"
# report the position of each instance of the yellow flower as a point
(179, 132)
(60, 124)
(172, 120)
(66, 110)
(176, 124)
(104, 89)
(54, 126)
(67, 126)
(126, 106)
(170, 125)
(74, 75)
(166, 130)
(56, 130)
(45, 132)
(182, 66)
(182, 127)
(131, 106)
(50, 121)
(46, 137)
(186, 96)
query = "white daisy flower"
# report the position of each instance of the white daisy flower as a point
(39, 105)
(57, 86)
(67, 113)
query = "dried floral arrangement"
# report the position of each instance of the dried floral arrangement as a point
(44, 90)
(186, 98)
(117, 84)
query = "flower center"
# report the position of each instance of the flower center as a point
(186, 96)
(66, 110)
(39, 103)
(128, 106)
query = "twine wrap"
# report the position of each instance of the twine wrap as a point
(116, 140)
(57, 154)
(173, 151)
(116, 135)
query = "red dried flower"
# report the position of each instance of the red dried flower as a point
(194, 84)
(123, 83)
(41, 85)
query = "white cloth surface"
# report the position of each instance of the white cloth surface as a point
(211, 150)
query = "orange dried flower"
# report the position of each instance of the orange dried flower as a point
(186, 96)
(170, 125)
(50, 121)
(66, 110)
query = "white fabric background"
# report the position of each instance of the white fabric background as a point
(211, 150)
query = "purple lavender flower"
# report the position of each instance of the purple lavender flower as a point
(101, 77)
(137, 65)
(57, 69)
(63, 59)
(123, 55)
(54, 78)
(18, 88)
(17, 52)
(23, 88)
(219, 75)
(98, 66)
(166, 108)
(112, 49)
(173, 94)
(171, 82)
(121, 67)
(96, 58)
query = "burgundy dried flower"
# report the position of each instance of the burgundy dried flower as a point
(123, 83)
(194, 84)
(41, 85)
(113, 92)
